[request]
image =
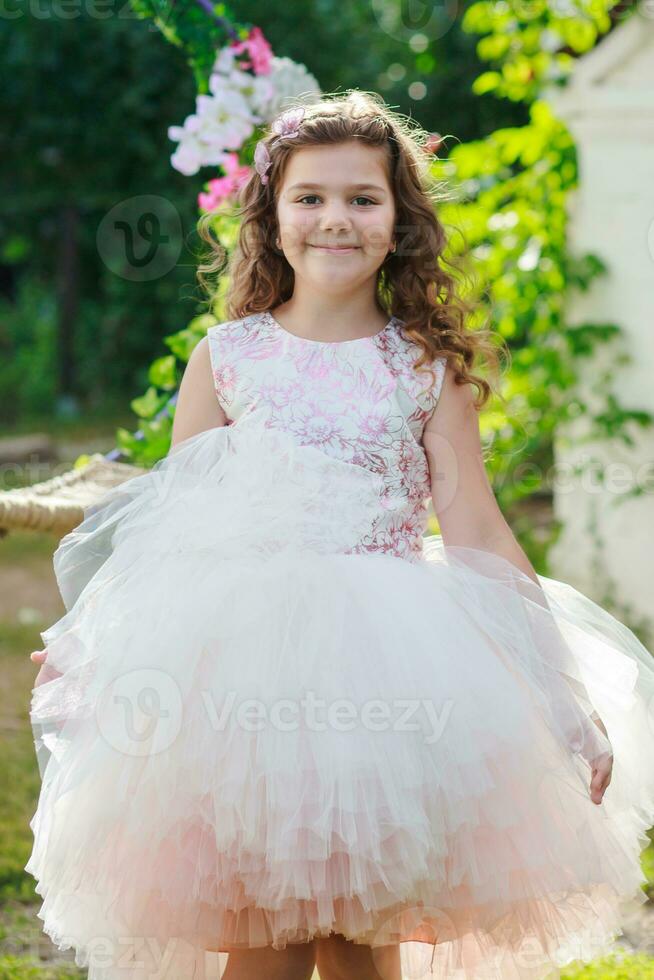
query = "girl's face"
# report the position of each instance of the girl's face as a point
(336, 195)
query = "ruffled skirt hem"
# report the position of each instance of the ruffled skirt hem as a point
(255, 735)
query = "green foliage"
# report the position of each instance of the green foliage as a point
(189, 25)
(647, 863)
(19, 968)
(155, 407)
(509, 204)
(615, 967)
(86, 105)
(510, 211)
(533, 43)
(28, 349)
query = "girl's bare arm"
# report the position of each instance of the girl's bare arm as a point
(463, 499)
(469, 515)
(196, 410)
(197, 407)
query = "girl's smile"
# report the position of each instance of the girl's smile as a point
(335, 250)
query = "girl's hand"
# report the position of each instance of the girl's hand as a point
(602, 768)
(46, 673)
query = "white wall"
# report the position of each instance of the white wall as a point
(610, 112)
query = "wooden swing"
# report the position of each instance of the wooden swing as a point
(57, 505)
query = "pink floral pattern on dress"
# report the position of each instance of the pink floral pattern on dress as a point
(360, 401)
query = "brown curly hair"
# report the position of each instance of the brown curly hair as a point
(413, 283)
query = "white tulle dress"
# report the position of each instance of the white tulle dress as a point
(278, 711)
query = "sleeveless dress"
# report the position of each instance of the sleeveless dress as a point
(282, 710)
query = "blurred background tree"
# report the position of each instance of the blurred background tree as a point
(87, 103)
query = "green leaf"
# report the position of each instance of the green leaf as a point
(488, 81)
(163, 372)
(578, 33)
(147, 405)
(183, 343)
(494, 47)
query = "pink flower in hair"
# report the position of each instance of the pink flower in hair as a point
(288, 124)
(285, 126)
(262, 161)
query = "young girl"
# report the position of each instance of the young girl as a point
(280, 722)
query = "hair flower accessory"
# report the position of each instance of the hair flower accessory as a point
(262, 161)
(285, 126)
(288, 124)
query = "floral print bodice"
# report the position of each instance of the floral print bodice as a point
(358, 400)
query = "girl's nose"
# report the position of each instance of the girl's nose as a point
(335, 219)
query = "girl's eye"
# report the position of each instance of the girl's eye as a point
(360, 198)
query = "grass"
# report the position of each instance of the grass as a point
(17, 968)
(639, 967)
(26, 953)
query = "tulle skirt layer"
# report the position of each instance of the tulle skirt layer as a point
(255, 734)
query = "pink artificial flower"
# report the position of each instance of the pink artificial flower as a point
(285, 126)
(239, 172)
(262, 161)
(221, 188)
(259, 50)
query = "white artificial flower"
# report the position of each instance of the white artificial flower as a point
(226, 117)
(239, 101)
(221, 123)
(256, 90)
(224, 61)
(290, 80)
(187, 158)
